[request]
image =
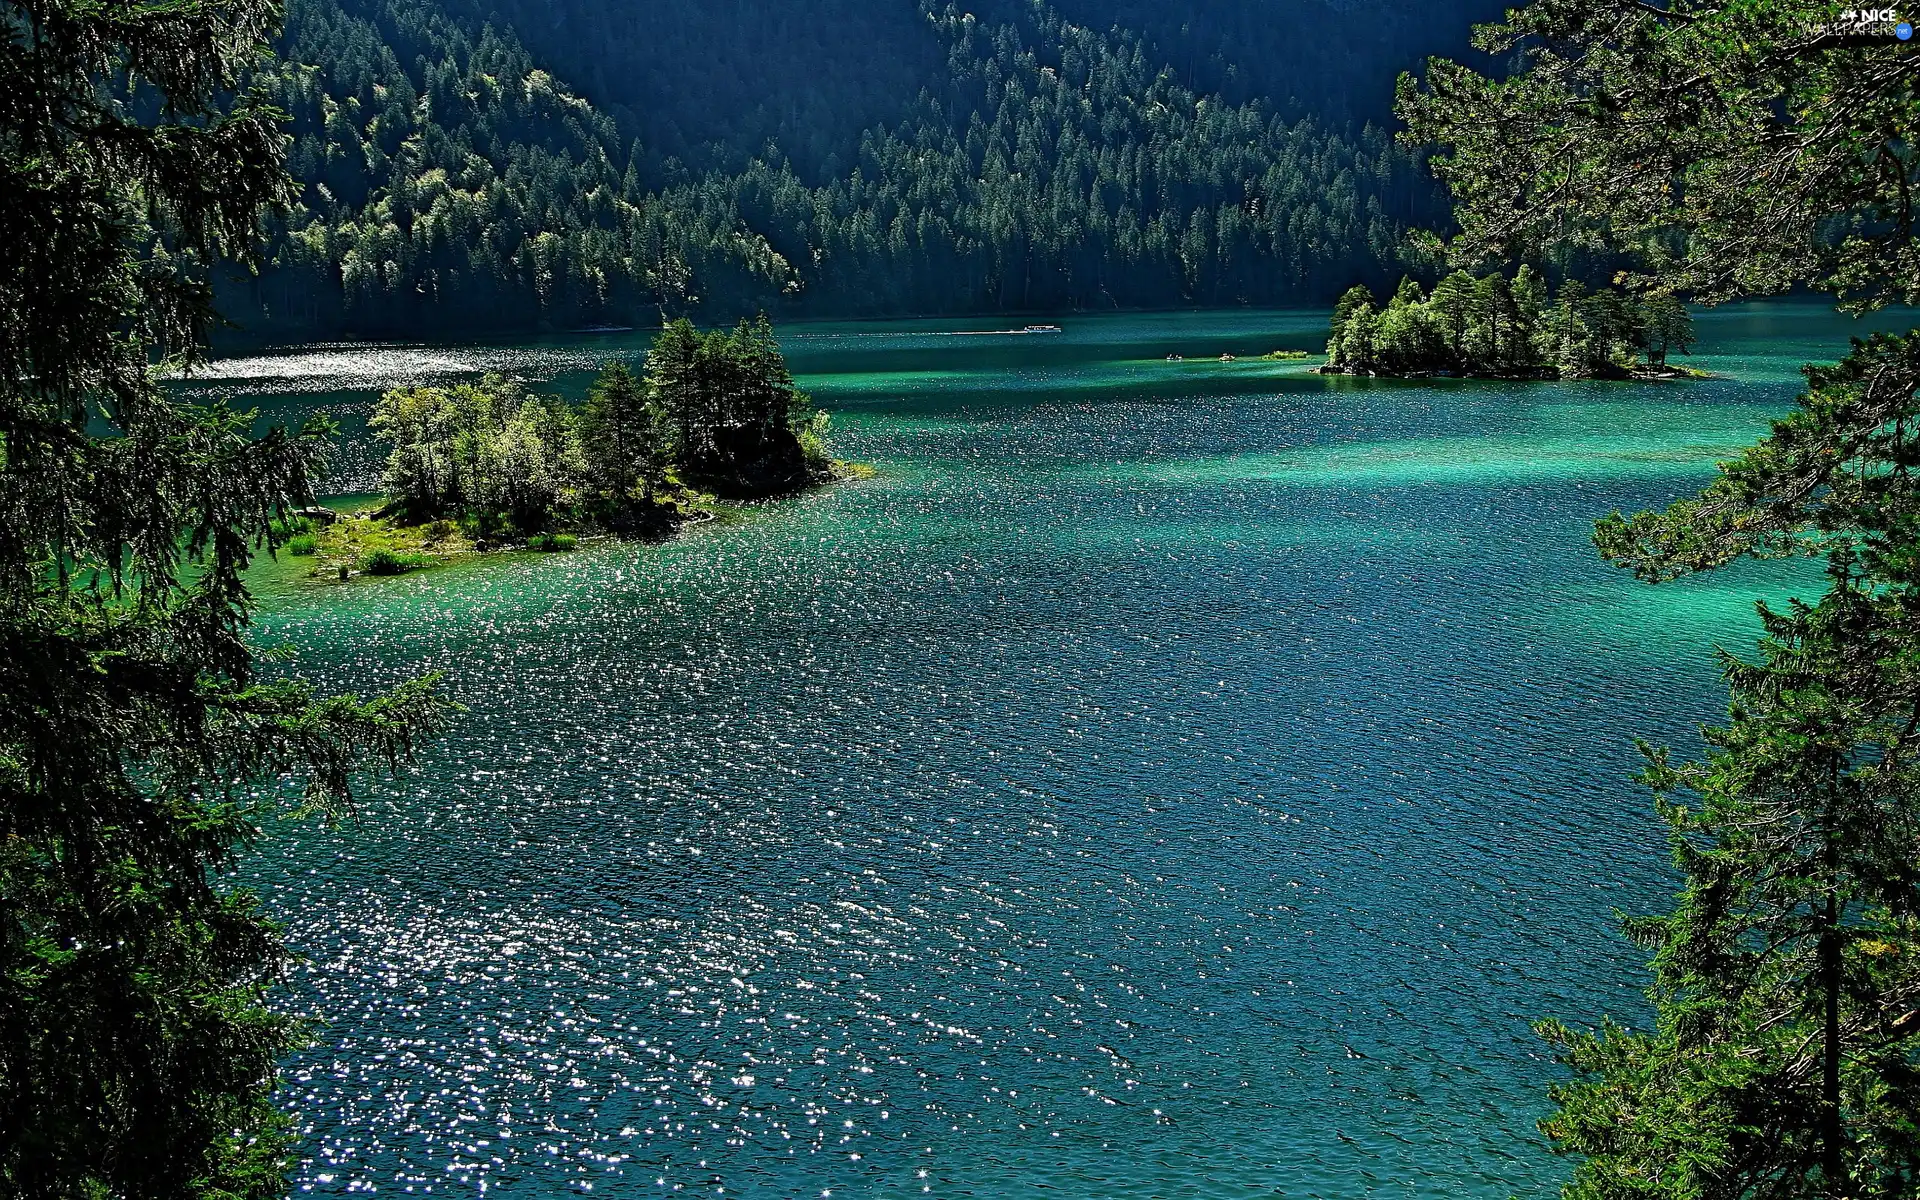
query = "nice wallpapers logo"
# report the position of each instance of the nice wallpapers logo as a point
(1874, 22)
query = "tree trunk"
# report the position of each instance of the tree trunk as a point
(1833, 1130)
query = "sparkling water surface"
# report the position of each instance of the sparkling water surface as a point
(1159, 780)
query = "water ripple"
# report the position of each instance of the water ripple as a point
(1057, 813)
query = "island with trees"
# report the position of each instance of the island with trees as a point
(491, 465)
(1500, 328)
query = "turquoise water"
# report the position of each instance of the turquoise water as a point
(1160, 780)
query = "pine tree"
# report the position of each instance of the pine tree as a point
(1453, 315)
(1530, 301)
(675, 382)
(1785, 1060)
(622, 437)
(1712, 149)
(136, 1056)
(1668, 326)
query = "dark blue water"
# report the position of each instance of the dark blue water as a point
(1160, 780)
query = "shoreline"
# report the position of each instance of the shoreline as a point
(346, 546)
(1665, 375)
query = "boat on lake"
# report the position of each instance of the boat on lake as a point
(1005, 332)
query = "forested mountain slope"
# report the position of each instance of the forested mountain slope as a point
(713, 80)
(1336, 59)
(452, 180)
(1060, 167)
(448, 182)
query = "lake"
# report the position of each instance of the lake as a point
(1161, 779)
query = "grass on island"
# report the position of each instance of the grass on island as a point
(358, 543)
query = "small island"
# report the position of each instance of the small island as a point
(491, 466)
(1500, 328)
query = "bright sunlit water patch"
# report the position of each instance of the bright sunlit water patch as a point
(1146, 785)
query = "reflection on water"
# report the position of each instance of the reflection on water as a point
(1145, 786)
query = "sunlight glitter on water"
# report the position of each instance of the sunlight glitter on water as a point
(1056, 813)
(374, 367)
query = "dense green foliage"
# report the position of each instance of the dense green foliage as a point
(1332, 58)
(1059, 167)
(1785, 1060)
(447, 182)
(388, 562)
(1501, 328)
(489, 452)
(733, 420)
(451, 182)
(136, 1057)
(1732, 148)
(1728, 149)
(711, 85)
(716, 411)
(708, 86)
